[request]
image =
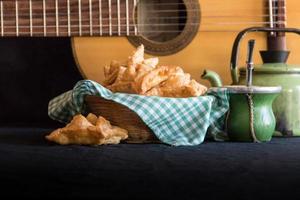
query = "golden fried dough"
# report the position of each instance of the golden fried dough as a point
(106, 71)
(176, 81)
(129, 73)
(92, 118)
(111, 78)
(110, 131)
(111, 72)
(194, 89)
(137, 57)
(154, 78)
(121, 74)
(178, 86)
(114, 66)
(146, 77)
(124, 87)
(167, 92)
(142, 70)
(76, 132)
(88, 131)
(151, 62)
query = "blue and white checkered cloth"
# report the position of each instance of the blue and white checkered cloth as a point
(175, 121)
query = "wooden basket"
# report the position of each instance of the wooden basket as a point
(123, 117)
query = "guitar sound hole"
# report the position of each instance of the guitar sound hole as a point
(166, 26)
(161, 20)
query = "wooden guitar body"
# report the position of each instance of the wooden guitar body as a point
(209, 49)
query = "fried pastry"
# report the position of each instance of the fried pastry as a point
(111, 78)
(111, 72)
(129, 73)
(114, 65)
(155, 77)
(142, 70)
(145, 77)
(88, 131)
(137, 57)
(176, 81)
(124, 87)
(151, 62)
(194, 89)
(78, 131)
(178, 86)
(110, 131)
(121, 74)
(167, 92)
(92, 118)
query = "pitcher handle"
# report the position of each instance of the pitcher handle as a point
(236, 45)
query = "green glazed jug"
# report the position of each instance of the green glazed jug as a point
(250, 117)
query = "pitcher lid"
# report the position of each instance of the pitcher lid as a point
(242, 89)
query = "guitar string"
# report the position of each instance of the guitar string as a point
(145, 4)
(21, 21)
(124, 26)
(164, 17)
(178, 4)
(61, 19)
(106, 14)
(216, 18)
(203, 16)
(123, 18)
(96, 33)
(161, 3)
(148, 24)
(85, 9)
(182, 3)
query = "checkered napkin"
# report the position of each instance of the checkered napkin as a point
(175, 121)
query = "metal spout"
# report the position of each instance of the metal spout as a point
(212, 77)
(249, 62)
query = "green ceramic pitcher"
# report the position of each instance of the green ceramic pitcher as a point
(250, 117)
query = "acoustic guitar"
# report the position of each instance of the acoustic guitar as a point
(194, 34)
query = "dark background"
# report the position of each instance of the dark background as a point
(32, 71)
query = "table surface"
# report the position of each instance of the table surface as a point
(33, 167)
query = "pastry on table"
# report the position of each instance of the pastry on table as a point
(91, 130)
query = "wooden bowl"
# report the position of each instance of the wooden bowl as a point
(123, 117)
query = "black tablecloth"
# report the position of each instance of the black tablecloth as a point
(32, 167)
